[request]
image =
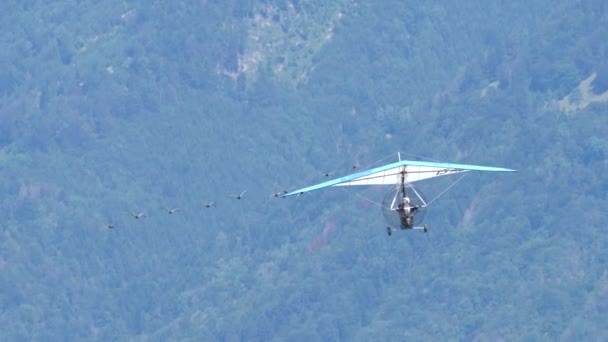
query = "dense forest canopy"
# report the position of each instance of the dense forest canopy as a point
(119, 107)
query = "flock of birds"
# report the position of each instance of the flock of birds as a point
(171, 211)
(212, 204)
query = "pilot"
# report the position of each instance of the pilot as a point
(406, 213)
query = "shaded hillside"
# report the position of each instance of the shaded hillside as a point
(142, 106)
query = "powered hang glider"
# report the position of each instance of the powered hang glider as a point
(404, 206)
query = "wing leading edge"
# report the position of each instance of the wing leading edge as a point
(391, 174)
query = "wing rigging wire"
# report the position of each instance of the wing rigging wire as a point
(371, 201)
(420, 197)
(399, 153)
(448, 188)
(343, 190)
(420, 157)
(380, 160)
(425, 204)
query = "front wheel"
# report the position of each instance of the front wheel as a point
(409, 221)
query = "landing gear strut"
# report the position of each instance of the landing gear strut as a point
(424, 228)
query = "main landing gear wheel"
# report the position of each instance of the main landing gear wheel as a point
(425, 228)
(389, 231)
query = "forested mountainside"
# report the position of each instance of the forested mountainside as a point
(114, 108)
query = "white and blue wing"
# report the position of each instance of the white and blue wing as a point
(391, 174)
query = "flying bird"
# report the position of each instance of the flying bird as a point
(277, 194)
(209, 205)
(327, 174)
(110, 226)
(238, 197)
(171, 211)
(137, 216)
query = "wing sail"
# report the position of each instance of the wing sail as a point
(411, 171)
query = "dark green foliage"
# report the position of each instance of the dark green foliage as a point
(109, 108)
